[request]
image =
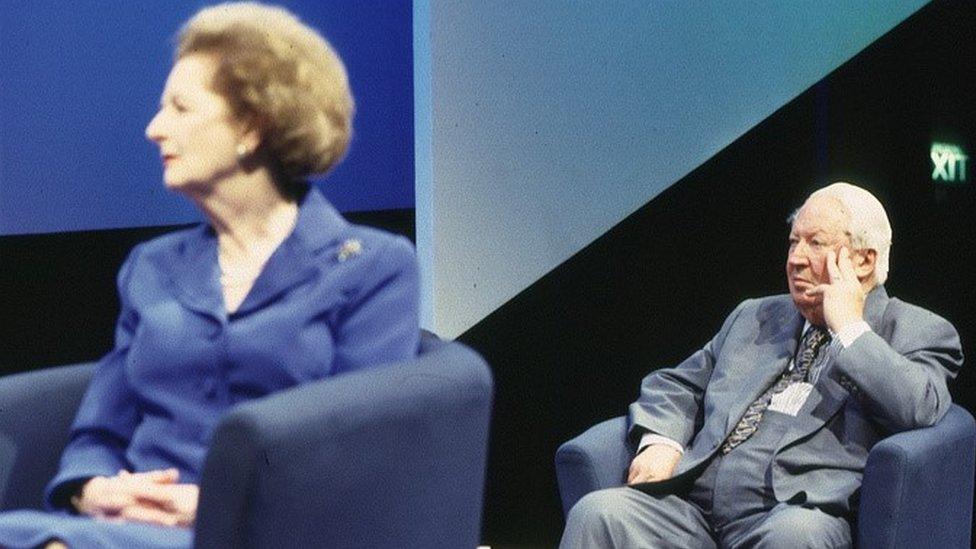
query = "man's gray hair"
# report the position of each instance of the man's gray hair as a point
(868, 225)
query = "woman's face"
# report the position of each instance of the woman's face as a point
(194, 128)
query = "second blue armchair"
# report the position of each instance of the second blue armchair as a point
(386, 457)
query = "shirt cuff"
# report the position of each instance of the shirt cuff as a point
(851, 332)
(653, 438)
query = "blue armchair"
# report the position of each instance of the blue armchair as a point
(387, 457)
(917, 489)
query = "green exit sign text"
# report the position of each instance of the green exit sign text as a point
(948, 163)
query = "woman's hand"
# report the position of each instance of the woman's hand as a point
(154, 497)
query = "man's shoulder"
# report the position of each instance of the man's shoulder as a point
(908, 316)
(754, 313)
(767, 305)
(898, 307)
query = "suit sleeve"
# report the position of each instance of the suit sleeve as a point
(381, 323)
(902, 383)
(670, 399)
(107, 416)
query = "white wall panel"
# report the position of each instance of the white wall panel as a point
(549, 121)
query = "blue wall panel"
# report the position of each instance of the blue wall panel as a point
(80, 80)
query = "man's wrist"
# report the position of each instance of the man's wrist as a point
(649, 439)
(850, 331)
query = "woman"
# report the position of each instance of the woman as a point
(274, 291)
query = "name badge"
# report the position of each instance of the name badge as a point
(791, 399)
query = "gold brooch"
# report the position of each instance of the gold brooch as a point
(350, 248)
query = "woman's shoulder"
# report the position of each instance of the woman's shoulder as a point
(365, 256)
(176, 241)
(321, 226)
(376, 244)
(164, 252)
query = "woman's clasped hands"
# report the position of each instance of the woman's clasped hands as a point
(155, 497)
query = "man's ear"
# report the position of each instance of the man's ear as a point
(864, 262)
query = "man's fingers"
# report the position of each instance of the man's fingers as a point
(632, 473)
(644, 476)
(638, 473)
(832, 270)
(846, 264)
(817, 290)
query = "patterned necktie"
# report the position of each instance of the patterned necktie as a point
(813, 340)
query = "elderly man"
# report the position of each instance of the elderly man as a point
(760, 438)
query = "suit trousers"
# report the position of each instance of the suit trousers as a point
(730, 504)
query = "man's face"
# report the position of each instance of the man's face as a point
(820, 226)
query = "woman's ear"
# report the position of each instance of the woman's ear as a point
(251, 138)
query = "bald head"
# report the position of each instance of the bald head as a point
(838, 220)
(867, 224)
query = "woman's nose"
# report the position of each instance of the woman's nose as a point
(153, 130)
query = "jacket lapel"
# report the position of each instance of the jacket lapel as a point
(195, 275)
(828, 396)
(297, 259)
(779, 331)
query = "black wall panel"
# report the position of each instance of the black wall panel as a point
(58, 291)
(571, 350)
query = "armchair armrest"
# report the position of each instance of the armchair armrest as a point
(386, 457)
(918, 486)
(36, 411)
(597, 459)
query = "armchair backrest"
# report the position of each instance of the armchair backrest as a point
(36, 411)
(386, 457)
(918, 486)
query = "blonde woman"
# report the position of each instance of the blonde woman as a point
(275, 290)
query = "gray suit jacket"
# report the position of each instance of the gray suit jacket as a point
(891, 379)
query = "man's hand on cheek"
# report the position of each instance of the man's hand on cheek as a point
(843, 297)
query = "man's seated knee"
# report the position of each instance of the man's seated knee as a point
(603, 506)
(791, 526)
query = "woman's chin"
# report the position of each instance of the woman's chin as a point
(172, 183)
(182, 186)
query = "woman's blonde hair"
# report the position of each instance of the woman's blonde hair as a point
(280, 74)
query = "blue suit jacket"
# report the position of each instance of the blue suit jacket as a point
(334, 297)
(891, 379)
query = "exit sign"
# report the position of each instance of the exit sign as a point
(948, 163)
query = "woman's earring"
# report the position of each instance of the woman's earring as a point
(241, 151)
